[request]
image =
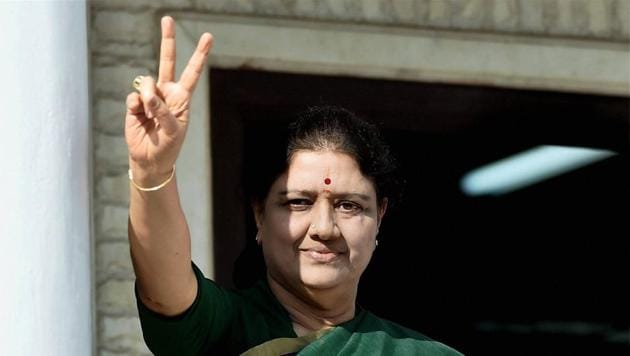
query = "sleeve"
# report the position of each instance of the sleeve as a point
(196, 330)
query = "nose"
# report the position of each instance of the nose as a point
(323, 224)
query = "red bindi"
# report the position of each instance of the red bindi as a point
(327, 181)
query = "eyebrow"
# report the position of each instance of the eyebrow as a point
(364, 197)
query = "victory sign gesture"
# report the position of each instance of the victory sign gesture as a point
(157, 117)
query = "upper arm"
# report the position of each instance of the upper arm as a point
(203, 324)
(187, 294)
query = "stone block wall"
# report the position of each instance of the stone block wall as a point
(124, 36)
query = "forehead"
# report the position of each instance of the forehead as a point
(335, 170)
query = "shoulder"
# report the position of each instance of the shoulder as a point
(397, 339)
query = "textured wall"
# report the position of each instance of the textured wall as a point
(124, 35)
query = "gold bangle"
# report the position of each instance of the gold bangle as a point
(152, 189)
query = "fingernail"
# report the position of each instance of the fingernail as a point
(208, 42)
(153, 102)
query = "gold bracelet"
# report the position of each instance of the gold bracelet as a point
(152, 189)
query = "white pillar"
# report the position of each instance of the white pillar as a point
(45, 230)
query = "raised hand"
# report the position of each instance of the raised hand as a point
(157, 117)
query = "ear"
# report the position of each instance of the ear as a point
(381, 211)
(258, 209)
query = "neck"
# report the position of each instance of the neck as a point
(314, 309)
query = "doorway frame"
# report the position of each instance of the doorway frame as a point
(380, 52)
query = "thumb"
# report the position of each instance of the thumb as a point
(161, 112)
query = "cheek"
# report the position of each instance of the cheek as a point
(297, 227)
(283, 228)
(360, 239)
(360, 255)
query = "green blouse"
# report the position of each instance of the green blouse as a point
(252, 321)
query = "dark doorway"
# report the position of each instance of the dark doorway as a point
(541, 271)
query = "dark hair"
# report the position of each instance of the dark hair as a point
(337, 129)
(329, 128)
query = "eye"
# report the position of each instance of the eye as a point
(349, 207)
(299, 204)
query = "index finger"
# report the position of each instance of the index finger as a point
(197, 62)
(167, 51)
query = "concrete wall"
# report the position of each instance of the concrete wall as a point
(45, 269)
(124, 38)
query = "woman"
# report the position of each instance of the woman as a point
(317, 218)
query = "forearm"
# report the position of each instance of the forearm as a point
(160, 246)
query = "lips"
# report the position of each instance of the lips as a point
(320, 254)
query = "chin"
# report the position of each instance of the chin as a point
(318, 279)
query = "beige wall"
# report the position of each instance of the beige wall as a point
(124, 37)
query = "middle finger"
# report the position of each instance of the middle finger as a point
(167, 51)
(197, 63)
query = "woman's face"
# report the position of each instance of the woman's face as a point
(319, 223)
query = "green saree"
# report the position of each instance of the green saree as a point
(252, 322)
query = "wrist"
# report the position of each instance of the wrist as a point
(149, 177)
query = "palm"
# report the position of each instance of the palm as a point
(155, 136)
(176, 98)
(148, 140)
